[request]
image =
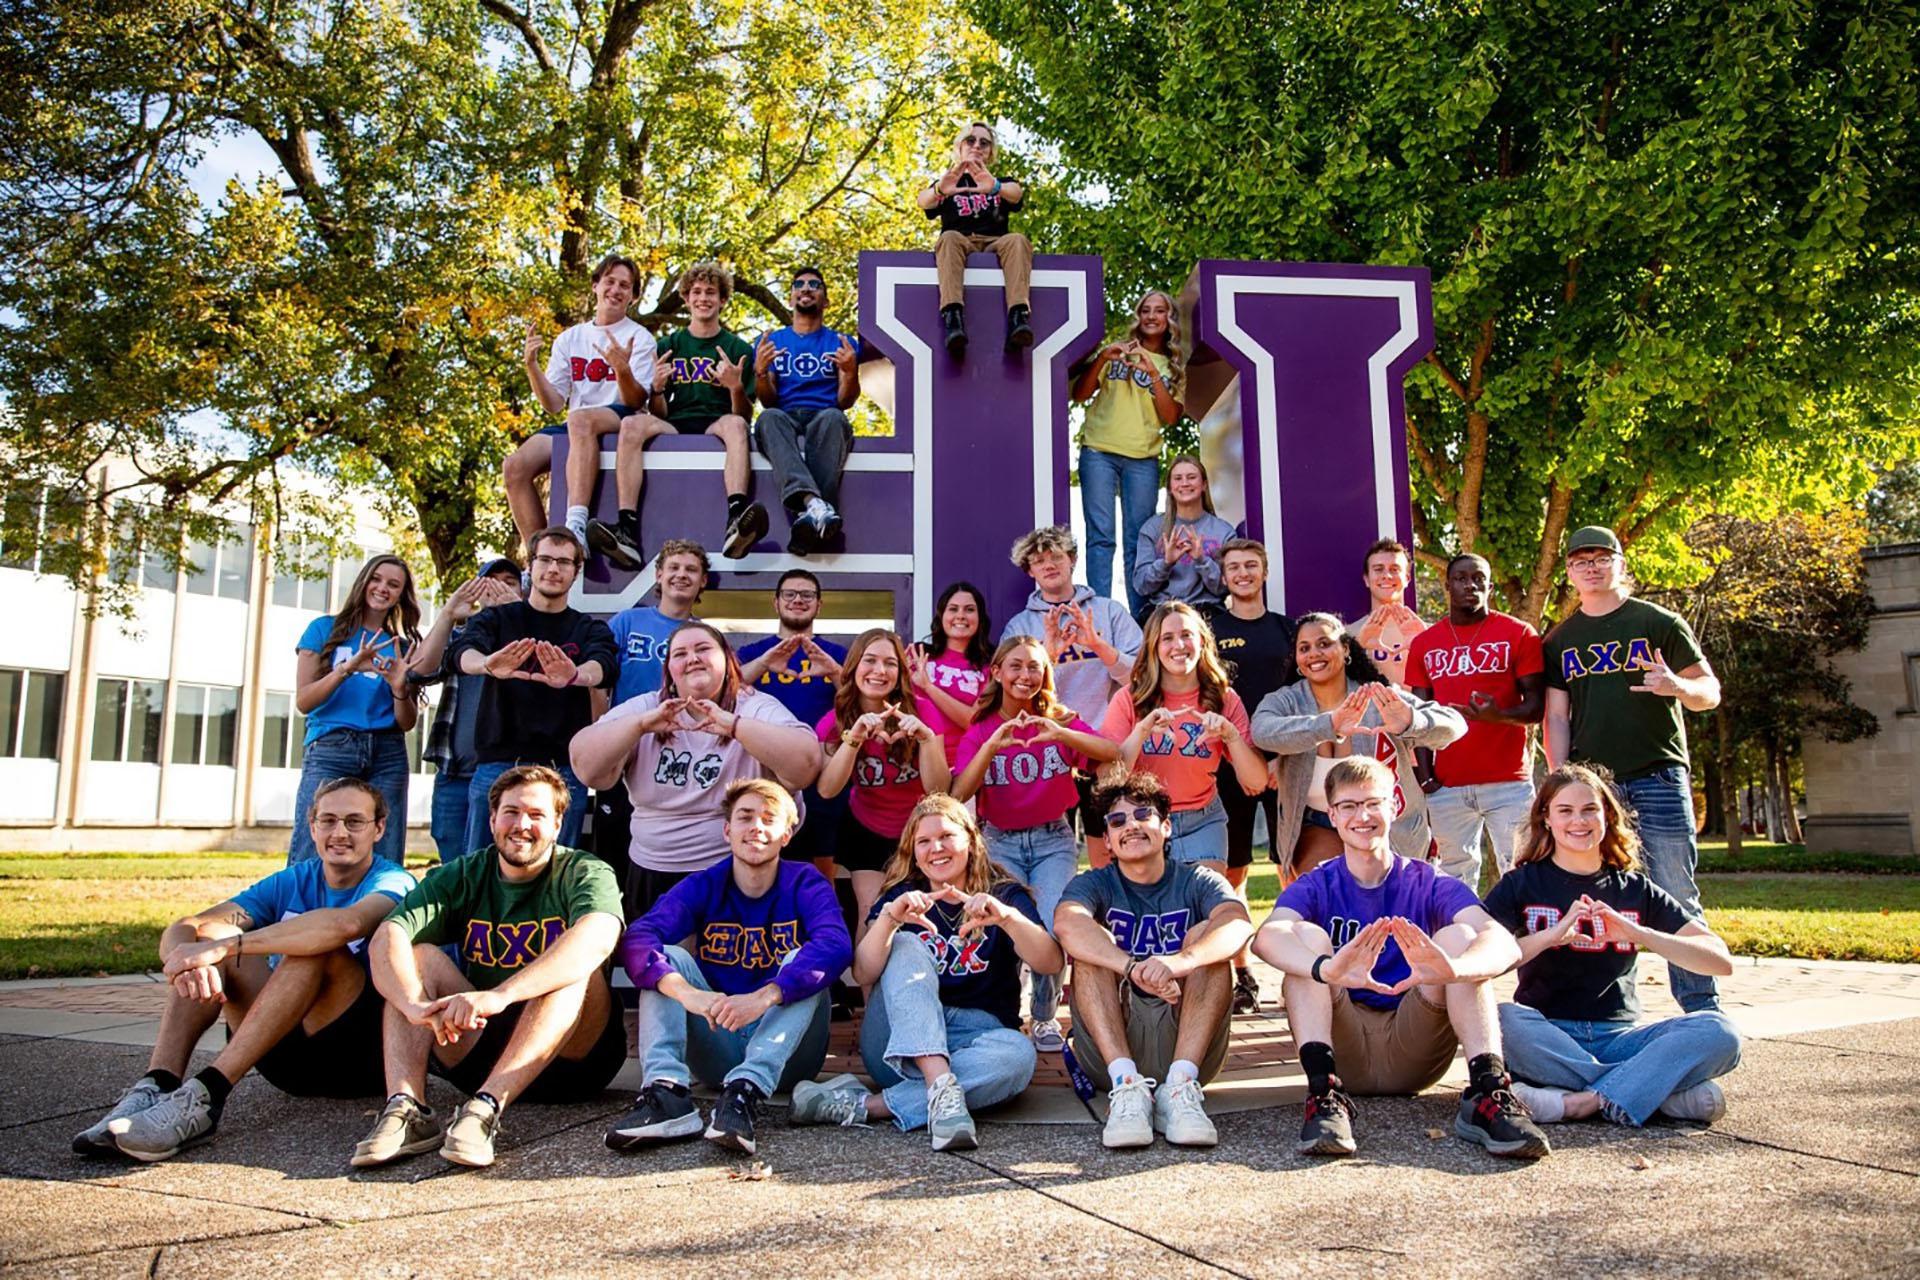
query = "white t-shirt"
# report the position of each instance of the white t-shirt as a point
(578, 366)
(678, 786)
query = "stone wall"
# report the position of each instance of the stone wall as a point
(1864, 796)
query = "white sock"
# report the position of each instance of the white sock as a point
(1122, 1070)
(577, 522)
(1548, 1106)
(1182, 1070)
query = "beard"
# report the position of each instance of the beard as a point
(527, 856)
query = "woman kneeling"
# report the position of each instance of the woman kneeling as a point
(944, 942)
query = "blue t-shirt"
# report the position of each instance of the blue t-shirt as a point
(1330, 897)
(982, 970)
(641, 633)
(800, 689)
(1150, 919)
(806, 379)
(363, 700)
(303, 887)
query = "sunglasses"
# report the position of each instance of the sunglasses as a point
(1142, 814)
(807, 284)
(976, 140)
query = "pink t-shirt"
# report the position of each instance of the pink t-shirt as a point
(1029, 783)
(959, 679)
(884, 793)
(1179, 759)
(678, 786)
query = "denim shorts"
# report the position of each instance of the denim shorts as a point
(1200, 835)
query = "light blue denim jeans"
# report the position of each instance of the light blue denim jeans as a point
(1465, 818)
(376, 756)
(1135, 483)
(1044, 858)
(992, 1061)
(1634, 1068)
(1200, 835)
(450, 815)
(787, 1045)
(1662, 805)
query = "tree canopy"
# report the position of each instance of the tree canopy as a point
(1673, 247)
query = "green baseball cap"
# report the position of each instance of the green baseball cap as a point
(1593, 537)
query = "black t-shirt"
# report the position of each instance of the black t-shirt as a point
(973, 211)
(1580, 982)
(527, 721)
(1259, 653)
(980, 971)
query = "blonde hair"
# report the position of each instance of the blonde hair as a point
(1052, 537)
(1176, 351)
(1144, 685)
(982, 873)
(1046, 703)
(776, 796)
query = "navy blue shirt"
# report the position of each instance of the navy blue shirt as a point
(979, 971)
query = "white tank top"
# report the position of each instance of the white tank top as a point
(1317, 789)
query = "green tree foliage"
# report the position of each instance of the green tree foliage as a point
(1673, 247)
(1893, 508)
(450, 170)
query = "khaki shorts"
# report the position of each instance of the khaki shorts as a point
(1391, 1051)
(1153, 1029)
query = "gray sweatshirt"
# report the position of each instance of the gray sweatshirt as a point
(1081, 680)
(1197, 582)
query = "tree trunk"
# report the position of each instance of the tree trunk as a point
(1713, 819)
(1727, 768)
(1789, 820)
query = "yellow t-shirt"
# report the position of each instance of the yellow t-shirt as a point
(1122, 420)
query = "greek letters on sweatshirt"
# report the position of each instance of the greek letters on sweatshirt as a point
(740, 941)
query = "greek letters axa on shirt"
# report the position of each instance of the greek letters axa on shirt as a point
(695, 369)
(511, 945)
(1606, 658)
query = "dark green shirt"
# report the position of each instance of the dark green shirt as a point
(1598, 661)
(502, 927)
(695, 396)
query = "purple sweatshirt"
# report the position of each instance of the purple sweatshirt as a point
(741, 942)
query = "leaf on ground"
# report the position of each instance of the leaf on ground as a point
(755, 1172)
(1640, 1162)
(1436, 1134)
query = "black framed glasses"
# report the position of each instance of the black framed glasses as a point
(798, 597)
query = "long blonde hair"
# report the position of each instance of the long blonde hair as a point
(1619, 847)
(1175, 352)
(1144, 685)
(982, 874)
(993, 698)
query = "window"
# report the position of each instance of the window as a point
(30, 703)
(282, 733)
(127, 718)
(206, 724)
(344, 572)
(300, 576)
(222, 566)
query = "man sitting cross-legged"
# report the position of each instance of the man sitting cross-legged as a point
(283, 960)
(1152, 943)
(531, 1015)
(1387, 966)
(745, 1009)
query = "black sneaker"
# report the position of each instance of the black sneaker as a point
(663, 1112)
(1019, 328)
(613, 542)
(744, 530)
(803, 535)
(734, 1114)
(1328, 1127)
(1246, 992)
(830, 525)
(1500, 1122)
(954, 321)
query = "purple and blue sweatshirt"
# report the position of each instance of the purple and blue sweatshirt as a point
(742, 942)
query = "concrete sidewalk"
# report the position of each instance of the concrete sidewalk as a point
(1815, 1171)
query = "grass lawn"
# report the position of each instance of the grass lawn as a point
(64, 915)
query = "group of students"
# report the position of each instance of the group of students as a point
(956, 782)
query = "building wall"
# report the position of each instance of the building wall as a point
(1863, 796)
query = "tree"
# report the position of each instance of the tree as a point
(1673, 248)
(1893, 508)
(1780, 598)
(449, 171)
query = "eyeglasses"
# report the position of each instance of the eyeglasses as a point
(1599, 560)
(1142, 814)
(976, 140)
(548, 562)
(1348, 808)
(798, 597)
(807, 284)
(354, 825)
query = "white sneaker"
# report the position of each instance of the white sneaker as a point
(1549, 1106)
(1179, 1113)
(1129, 1115)
(1047, 1036)
(98, 1136)
(1704, 1103)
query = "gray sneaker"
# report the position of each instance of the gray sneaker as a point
(841, 1100)
(1704, 1102)
(471, 1132)
(948, 1123)
(176, 1122)
(405, 1128)
(98, 1136)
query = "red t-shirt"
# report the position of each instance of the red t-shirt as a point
(1488, 657)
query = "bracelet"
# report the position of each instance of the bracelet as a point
(1126, 974)
(1315, 971)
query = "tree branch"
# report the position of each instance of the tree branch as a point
(523, 23)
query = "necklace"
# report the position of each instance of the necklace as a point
(1468, 639)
